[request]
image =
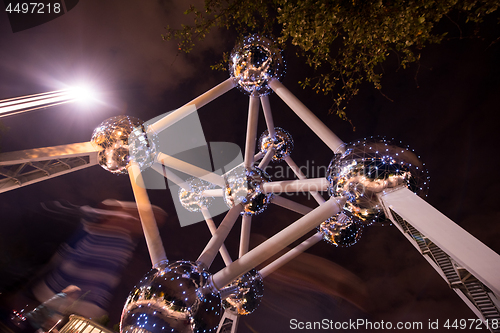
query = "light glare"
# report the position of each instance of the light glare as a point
(17, 105)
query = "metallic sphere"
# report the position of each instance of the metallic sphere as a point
(123, 139)
(282, 143)
(248, 296)
(253, 62)
(370, 167)
(172, 298)
(245, 186)
(192, 198)
(341, 230)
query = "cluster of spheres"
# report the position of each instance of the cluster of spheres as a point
(255, 61)
(367, 169)
(282, 143)
(341, 230)
(192, 197)
(245, 186)
(179, 297)
(250, 289)
(121, 140)
(173, 298)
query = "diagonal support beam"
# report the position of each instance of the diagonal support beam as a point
(292, 254)
(277, 243)
(246, 225)
(300, 175)
(251, 138)
(208, 255)
(192, 106)
(296, 186)
(291, 205)
(190, 169)
(309, 118)
(211, 226)
(148, 221)
(266, 108)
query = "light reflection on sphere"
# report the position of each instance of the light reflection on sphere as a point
(123, 139)
(253, 62)
(192, 198)
(369, 167)
(341, 230)
(282, 143)
(245, 186)
(248, 296)
(172, 298)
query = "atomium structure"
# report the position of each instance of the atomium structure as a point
(246, 298)
(281, 143)
(341, 230)
(245, 186)
(121, 139)
(369, 181)
(369, 167)
(191, 194)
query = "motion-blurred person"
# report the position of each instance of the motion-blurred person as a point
(50, 313)
(95, 257)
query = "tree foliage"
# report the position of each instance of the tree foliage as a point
(345, 42)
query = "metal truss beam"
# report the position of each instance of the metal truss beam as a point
(25, 167)
(461, 260)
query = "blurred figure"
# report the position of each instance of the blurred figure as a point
(94, 258)
(49, 314)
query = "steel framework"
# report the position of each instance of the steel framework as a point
(470, 268)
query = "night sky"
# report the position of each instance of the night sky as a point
(446, 109)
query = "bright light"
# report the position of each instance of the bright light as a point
(16, 105)
(82, 93)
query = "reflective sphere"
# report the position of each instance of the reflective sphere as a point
(172, 298)
(369, 167)
(248, 296)
(245, 186)
(341, 230)
(282, 143)
(123, 139)
(193, 199)
(253, 62)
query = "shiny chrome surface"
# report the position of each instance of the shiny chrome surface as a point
(192, 197)
(245, 186)
(282, 143)
(341, 230)
(253, 62)
(248, 296)
(370, 167)
(123, 139)
(172, 298)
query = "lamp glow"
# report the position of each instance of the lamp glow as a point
(81, 93)
(22, 104)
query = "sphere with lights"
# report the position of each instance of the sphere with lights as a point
(253, 62)
(173, 298)
(245, 186)
(341, 230)
(366, 169)
(248, 295)
(123, 139)
(281, 142)
(192, 197)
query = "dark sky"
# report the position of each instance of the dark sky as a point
(447, 110)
